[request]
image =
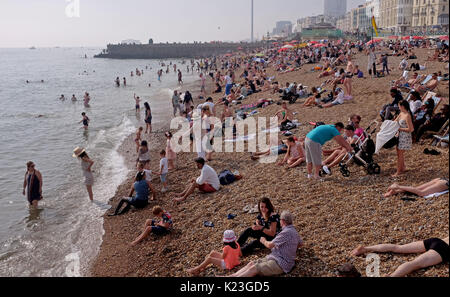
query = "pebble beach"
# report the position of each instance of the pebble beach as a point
(332, 216)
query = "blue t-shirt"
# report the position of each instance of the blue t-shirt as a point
(323, 133)
(141, 189)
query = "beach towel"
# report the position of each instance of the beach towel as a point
(387, 131)
(436, 194)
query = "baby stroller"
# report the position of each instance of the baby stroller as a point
(363, 155)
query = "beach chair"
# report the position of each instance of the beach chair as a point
(442, 135)
(432, 95)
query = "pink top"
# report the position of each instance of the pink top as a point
(170, 154)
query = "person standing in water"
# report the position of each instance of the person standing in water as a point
(62, 98)
(74, 98)
(180, 77)
(124, 82)
(138, 100)
(148, 118)
(32, 183)
(85, 121)
(87, 98)
(86, 165)
(117, 82)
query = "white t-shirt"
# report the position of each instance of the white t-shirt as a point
(211, 106)
(339, 99)
(228, 79)
(415, 105)
(209, 176)
(165, 163)
(148, 175)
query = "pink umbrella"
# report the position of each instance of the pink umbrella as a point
(418, 37)
(405, 38)
(313, 42)
(445, 37)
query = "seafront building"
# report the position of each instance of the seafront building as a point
(399, 17)
(335, 8)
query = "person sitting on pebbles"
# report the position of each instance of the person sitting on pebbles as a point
(228, 259)
(207, 182)
(434, 251)
(295, 154)
(161, 228)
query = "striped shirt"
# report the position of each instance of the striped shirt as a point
(285, 250)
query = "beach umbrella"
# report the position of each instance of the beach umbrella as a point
(393, 37)
(418, 37)
(405, 38)
(283, 49)
(313, 42)
(319, 45)
(445, 37)
(288, 46)
(228, 55)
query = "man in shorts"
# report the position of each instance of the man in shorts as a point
(207, 182)
(284, 251)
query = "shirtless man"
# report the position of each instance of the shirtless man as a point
(431, 85)
(138, 100)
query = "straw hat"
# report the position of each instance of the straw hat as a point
(78, 151)
(229, 236)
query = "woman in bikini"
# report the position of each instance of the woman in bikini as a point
(434, 251)
(437, 185)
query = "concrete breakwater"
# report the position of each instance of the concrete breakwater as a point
(166, 51)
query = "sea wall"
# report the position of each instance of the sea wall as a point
(165, 51)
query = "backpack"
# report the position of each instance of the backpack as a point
(226, 177)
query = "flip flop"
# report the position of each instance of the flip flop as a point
(231, 216)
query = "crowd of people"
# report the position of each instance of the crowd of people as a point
(241, 76)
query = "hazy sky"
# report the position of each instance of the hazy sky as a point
(41, 23)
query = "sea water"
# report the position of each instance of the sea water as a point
(66, 232)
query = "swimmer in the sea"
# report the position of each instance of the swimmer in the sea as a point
(62, 98)
(74, 98)
(85, 121)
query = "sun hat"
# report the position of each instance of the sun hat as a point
(78, 151)
(229, 236)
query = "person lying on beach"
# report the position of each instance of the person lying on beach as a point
(433, 252)
(275, 150)
(267, 225)
(142, 187)
(207, 182)
(158, 228)
(295, 154)
(284, 251)
(402, 82)
(227, 259)
(437, 185)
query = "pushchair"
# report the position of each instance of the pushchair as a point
(363, 155)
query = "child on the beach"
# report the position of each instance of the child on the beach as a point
(138, 100)
(170, 153)
(85, 120)
(137, 140)
(161, 228)
(163, 170)
(144, 167)
(228, 259)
